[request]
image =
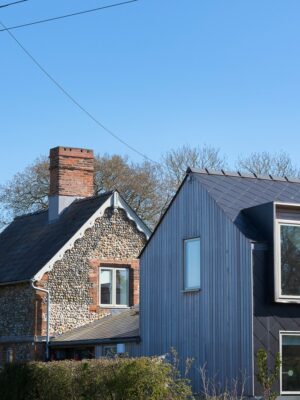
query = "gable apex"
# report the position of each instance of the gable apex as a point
(114, 201)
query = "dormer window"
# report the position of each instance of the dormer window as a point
(287, 253)
(290, 259)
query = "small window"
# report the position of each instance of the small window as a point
(289, 259)
(109, 351)
(9, 356)
(290, 358)
(192, 264)
(114, 287)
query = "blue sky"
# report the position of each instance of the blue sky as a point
(159, 73)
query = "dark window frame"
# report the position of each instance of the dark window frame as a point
(185, 288)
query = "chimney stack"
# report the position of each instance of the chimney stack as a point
(71, 177)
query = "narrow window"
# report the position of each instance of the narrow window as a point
(192, 264)
(114, 287)
(121, 287)
(290, 259)
(9, 356)
(290, 369)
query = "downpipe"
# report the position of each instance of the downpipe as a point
(48, 316)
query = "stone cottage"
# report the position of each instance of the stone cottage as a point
(70, 265)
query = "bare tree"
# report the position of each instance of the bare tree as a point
(265, 163)
(176, 161)
(148, 188)
(138, 183)
(28, 190)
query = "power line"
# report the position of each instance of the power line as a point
(73, 100)
(67, 15)
(13, 3)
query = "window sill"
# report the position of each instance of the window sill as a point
(190, 290)
(288, 299)
(111, 306)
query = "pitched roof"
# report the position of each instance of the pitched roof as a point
(123, 326)
(236, 192)
(29, 242)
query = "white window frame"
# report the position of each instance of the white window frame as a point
(195, 288)
(114, 287)
(279, 297)
(285, 333)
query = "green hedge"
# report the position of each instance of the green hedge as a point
(108, 379)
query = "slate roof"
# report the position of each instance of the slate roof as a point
(29, 242)
(123, 326)
(235, 192)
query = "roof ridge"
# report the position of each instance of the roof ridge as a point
(93, 197)
(76, 200)
(241, 174)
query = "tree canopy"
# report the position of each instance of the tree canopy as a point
(147, 187)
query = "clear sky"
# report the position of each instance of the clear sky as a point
(159, 73)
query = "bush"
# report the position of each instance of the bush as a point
(106, 379)
(265, 376)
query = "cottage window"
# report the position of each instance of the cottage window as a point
(114, 287)
(288, 259)
(290, 358)
(192, 264)
(109, 351)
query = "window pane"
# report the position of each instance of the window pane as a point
(290, 363)
(106, 286)
(122, 287)
(290, 259)
(109, 351)
(192, 264)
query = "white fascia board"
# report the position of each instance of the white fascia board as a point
(141, 226)
(114, 201)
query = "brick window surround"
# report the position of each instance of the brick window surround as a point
(94, 274)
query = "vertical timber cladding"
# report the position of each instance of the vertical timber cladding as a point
(269, 317)
(213, 325)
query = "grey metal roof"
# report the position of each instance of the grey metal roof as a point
(112, 328)
(235, 192)
(29, 242)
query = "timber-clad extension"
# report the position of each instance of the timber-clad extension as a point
(240, 303)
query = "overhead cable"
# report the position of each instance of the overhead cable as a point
(41, 21)
(73, 100)
(12, 4)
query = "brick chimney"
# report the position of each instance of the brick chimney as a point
(71, 177)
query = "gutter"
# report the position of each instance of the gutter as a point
(48, 316)
(80, 342)
(14, 282)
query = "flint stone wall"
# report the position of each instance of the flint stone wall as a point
(113, 236)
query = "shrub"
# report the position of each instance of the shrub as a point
(106, 379)
(265, 376)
